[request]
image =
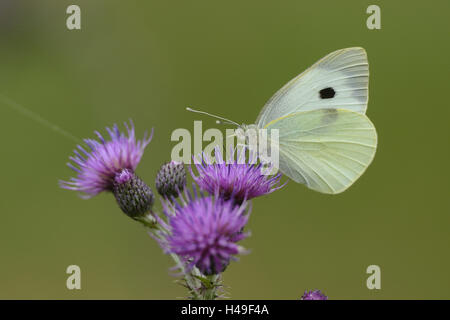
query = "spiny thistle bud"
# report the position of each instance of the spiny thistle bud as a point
(134, 197)
(171, 179)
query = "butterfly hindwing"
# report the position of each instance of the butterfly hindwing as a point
(326, 149)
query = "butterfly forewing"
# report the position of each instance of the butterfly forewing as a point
(339, 80)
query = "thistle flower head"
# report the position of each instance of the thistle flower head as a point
(97, 167)
(314, 295)
(133, 196)
(205, 231)
(171, 179)
(235, 179)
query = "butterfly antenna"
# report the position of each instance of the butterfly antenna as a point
(222, 120)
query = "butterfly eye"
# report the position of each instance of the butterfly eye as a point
(327, 93)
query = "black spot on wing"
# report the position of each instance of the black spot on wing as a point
(327, 93)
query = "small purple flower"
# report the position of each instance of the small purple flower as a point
(98, 167)
(204, 232)
(314, 295)
(234, 179)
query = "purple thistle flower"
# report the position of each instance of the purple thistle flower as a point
(97, 167)
(234, 179)
(204, 231)
(314, 295)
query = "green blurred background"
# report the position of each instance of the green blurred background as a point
(148, 60)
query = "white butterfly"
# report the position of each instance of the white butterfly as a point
(325, 139)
